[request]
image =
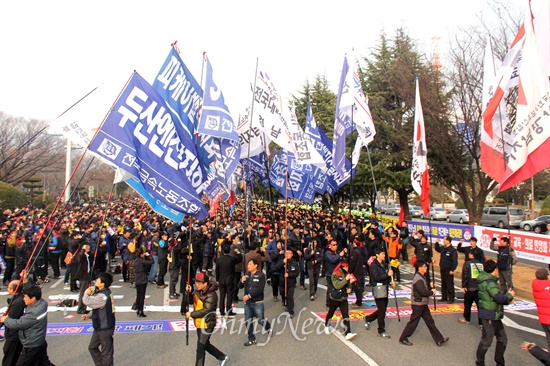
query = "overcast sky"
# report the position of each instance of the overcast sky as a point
(54, 52)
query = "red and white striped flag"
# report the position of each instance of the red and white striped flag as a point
(419, 169)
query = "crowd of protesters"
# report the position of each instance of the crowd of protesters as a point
(280, 247)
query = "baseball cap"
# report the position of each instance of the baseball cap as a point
(202, 277)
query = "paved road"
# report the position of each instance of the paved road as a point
(159, 339)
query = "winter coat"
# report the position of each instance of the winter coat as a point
(449, 257)
(204, 305)
(32, 325)
(541, 293)
(491, 300)
(141, 268)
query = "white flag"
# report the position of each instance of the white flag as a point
(272, 115)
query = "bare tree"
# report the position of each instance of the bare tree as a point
(25, 149)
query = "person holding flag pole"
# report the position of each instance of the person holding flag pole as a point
(185, 300)
(419, 168)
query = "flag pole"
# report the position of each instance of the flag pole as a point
(350, 245)
(432, 260)
(247, 203)
(286, 230)
(373, 179)
(43, 129)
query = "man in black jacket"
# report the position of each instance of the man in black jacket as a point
(466, 250)
(12, 344)
(289, 270)
(225, 272)
(470, 270)
(205, 299)
(447, 265)
(254, 282)
(380, 276)
(422, 250)
(356, 262)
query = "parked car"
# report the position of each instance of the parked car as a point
(460, 216)
(382, 208)
(538, 225)
(394, 209)
(416, 211)
(437, 213)
(496, 216)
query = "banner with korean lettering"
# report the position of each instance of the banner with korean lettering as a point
(334, 180)
(155, 204)
(215, 117)
(183, 94)
(277, 173)
(273, 116)
(352, 113)
(528, 245)
(300, 180)
(258, 166)
(142, 136)
(312, 132)
(253, 140)
(216, 121)
(531, 133)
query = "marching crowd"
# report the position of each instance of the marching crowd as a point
(224, 259)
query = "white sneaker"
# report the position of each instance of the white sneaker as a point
(350, 336)
(328, 330)
(223, 361)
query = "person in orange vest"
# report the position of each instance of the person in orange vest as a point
(395, 244)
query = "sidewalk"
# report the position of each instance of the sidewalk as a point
(522, 277)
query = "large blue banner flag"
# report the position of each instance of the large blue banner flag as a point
(334, 180)
(215, 118)
(216, 121)
(182, 92)
(143, 137)
(343, 124)
(312, 132)
(299, 177)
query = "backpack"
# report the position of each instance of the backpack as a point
(513, 257)
(132, 247)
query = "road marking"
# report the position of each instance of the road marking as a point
(57, 283)
(526, 315)
(350, 345)
(512, 324)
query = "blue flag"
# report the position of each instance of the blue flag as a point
(312, 131)
(258, 167)
(182, 92)
(334, 180)
(215, 118)
(216, 121)
(143, 137)
(155, 204)
(300, 177)
(343, 124)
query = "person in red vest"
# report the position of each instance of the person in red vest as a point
(541, 293)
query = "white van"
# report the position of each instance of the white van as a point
(496, 216)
